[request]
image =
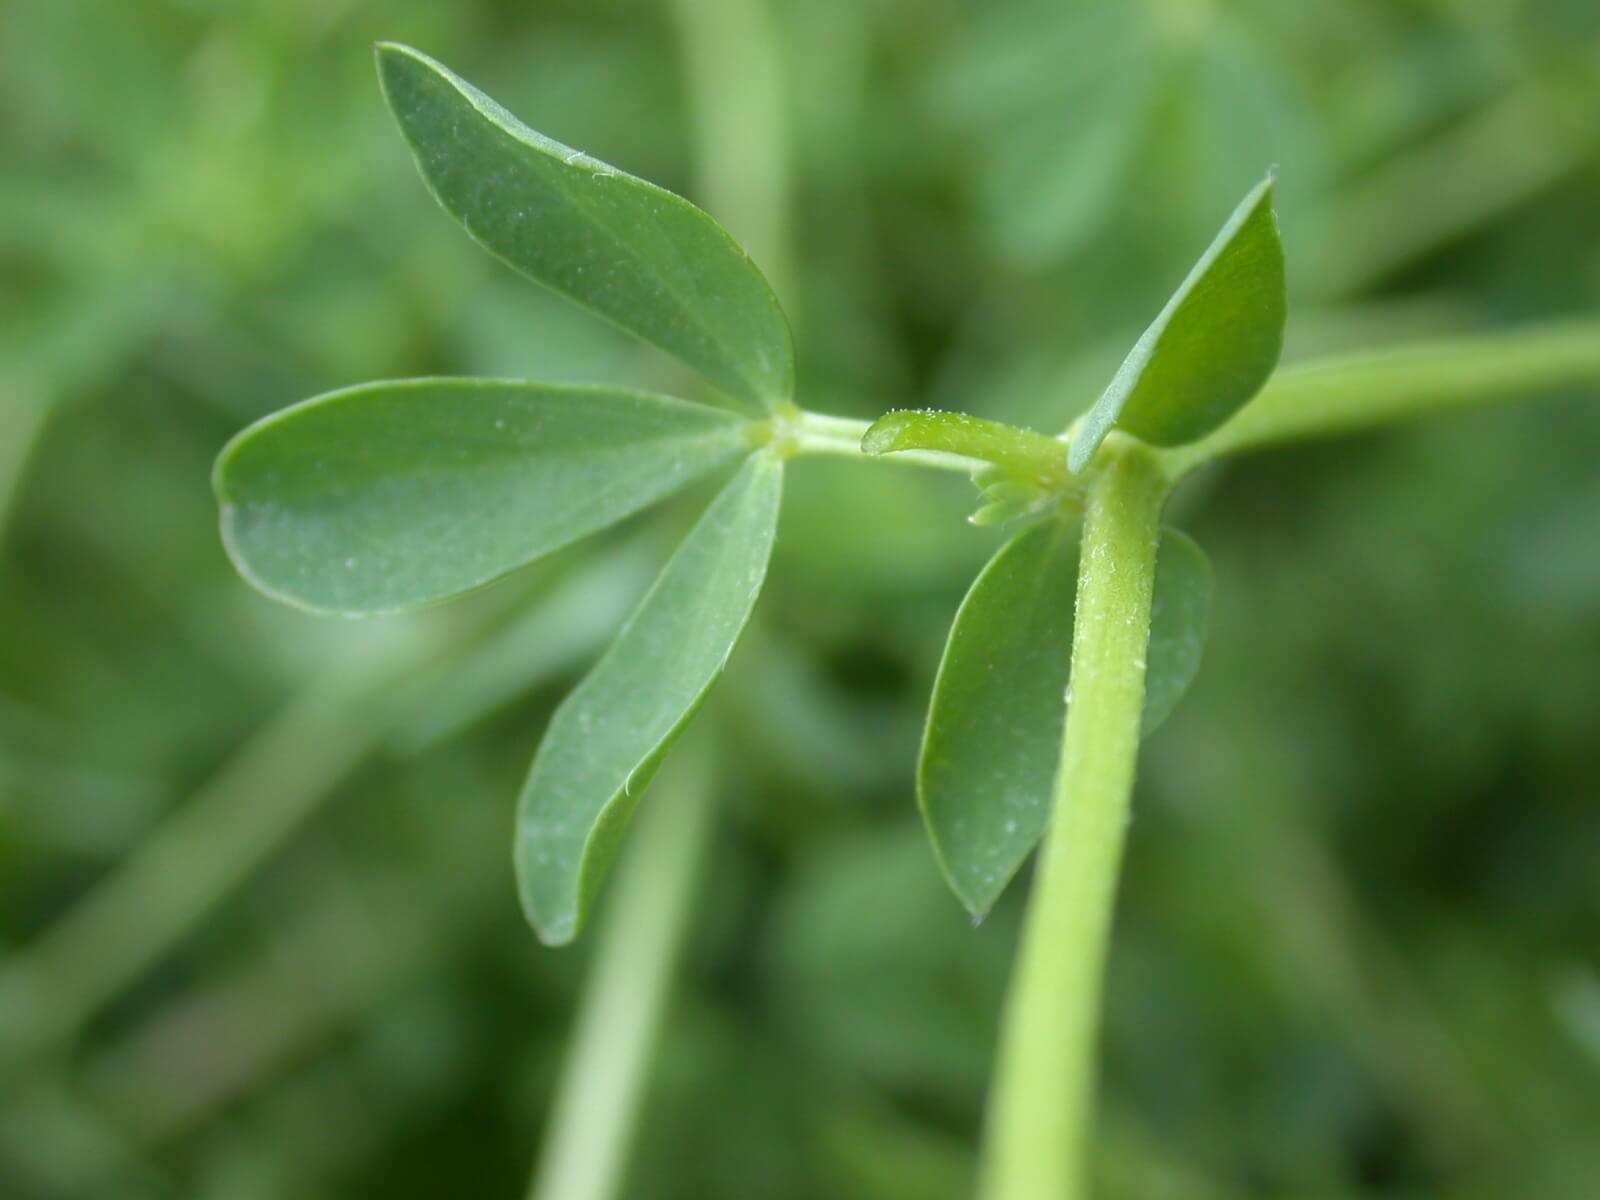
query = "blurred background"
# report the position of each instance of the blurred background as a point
(258, 931)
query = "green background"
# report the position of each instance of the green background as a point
(265, 857)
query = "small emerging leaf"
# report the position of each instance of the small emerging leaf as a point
(633, 252)
(609, 736)
(1211, 348)
(390, 495)
(1000, 704)
(999, 512)
(1020, 452)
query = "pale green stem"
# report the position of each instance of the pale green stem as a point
(1344, 395)
(1520, 142)
(597, 1099)
(1039, 1108)
(735, 75)
(203, 851)
(814, 433)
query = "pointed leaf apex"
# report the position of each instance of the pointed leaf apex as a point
(1213, 346)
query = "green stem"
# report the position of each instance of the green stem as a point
(734, 70)
(1039, 1107)
(204, 850)
(1474, 170)
(597, 1100)
(1343, 395)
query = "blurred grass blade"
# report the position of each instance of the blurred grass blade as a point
(993, 738)
(594, 1115)
(609, 736)
(633, 252)
(1180, 615)
(1211, 348)
(389, 495)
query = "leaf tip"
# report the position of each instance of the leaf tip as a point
(555, 928)
(883, 436)
(977, 902)
(977, 907)
(387, 49)
(387, 53)
(557, 933)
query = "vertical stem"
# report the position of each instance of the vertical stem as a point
(1039, 1106)
(735, 76)
(597, 1100)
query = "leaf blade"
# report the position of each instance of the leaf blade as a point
(1021, 452)
(991, 747)
(609, 735)
(640, 256)
(1180, 617)
(391, 495)
(1210, 349)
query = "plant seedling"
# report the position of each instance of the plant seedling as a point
(1078, 637)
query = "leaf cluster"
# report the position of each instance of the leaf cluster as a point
(393, 495)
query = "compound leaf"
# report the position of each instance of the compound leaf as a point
(1000, 704)
(633, 252)
(1211, 348)
(609, 736)
(391, 495)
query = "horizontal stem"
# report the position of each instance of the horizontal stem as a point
(1344, 395)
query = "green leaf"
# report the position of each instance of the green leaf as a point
(1211, 348)
(1021, 452)
(631, 251)
(609, 736)
(390, 495)
(1180, 615)
(1000, 703)
(994, 724)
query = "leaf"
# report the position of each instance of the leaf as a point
(1211, 348)
(609, 736)
(1022, 452)
(390, 495)
(1180, 615)
(1000, 703)
(998, 709)
(633, 252)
